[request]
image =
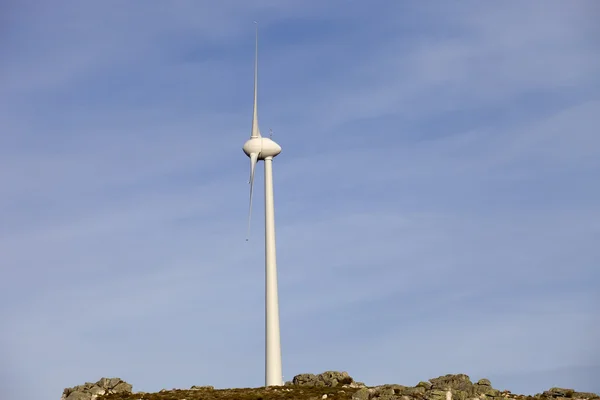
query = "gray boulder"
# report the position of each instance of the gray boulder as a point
(461, 387)
(327, 379)
(121, 387)
(585, 395)
(205, 387)
(305, 380)
(484, 386)
(457, 382)
(79, 396)
(97, 390)
(90, 391)
(559, 392)
(361, 394)
(112, 382)
(383, 391)
(435, 394)
(563, 393)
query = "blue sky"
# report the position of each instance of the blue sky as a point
(437, 197)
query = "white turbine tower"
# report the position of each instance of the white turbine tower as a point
(260, 148)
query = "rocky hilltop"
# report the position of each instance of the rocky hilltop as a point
(332, 385)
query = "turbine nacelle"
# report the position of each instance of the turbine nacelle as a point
(258, 148)
(262, 147)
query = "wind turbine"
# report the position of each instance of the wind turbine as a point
(260, 148)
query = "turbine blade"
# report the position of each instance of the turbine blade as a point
(255, 131)
(253, 160)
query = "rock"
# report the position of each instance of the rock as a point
(79, 396)
(382, 391)
(457, 382)
(202, 387)
(386, 392)
(458, 395)
(355, 385)
(585, 395)
(559, 392)
(104, 383)
(462, 388)
(327, 378)
(305, 380)
(487, 390)
(426, 385)
(484, 387)
(333, 378)
(400, 390)
(361, 394)
(122, 387)
(90, 391)
(413, 391)
(436, 394)
(113, 382)
(388, 397)
(97, 390)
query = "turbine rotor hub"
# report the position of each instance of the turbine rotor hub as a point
(264, 147)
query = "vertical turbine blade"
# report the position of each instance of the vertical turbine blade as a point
(253, 159)
(255, 131)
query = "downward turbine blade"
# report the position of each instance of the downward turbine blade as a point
(253, 159)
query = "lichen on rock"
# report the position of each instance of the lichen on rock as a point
(90, 391)
(327, 378)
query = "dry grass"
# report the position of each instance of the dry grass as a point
(281, 393)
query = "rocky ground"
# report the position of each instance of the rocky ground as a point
(331, 385)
